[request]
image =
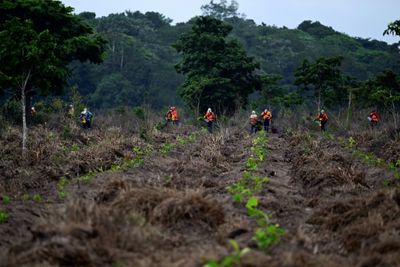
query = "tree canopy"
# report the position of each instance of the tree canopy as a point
(38, 39)
(218, 71)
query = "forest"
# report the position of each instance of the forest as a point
(280, 147)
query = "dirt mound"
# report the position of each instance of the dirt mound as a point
(365, 226)
(171, 208)
(319, 164)
(86, 234)
(51, 156)
(111, 190)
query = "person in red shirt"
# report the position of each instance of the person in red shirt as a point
(209, 117)
(323, 119)
(253, 120)
(267, 116)
(373, 118)
(174, 116)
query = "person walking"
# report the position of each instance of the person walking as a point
(253, 120)
(86, 118)
(266, 116)
(373, 118)
(323, 119)
(209, 117)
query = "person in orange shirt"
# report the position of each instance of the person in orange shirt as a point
(253, 120)
(267, 116)
(209, 117)
(168, 116)
(323, 119)
(373, 118)
(174, 116)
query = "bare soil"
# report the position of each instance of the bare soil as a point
(174, 210)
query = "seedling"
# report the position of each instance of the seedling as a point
(37, 198)
(166, 148)
(265, 237)
(61, 194)
(25, 197)
(62, 183)
(3, 217)
(351, 142)
(230, 260)
(6, 200)
(251, 164)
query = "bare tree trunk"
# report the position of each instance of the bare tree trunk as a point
(23, 103)
(348, 108)
(121, 64)
(394, 114)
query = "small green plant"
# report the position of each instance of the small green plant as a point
(61, 194)
(230, 260)
(182, 141)
(66, 133)
(25, 197)
(62, 183)
(267, 236)
(239, 191)
(75, 147)
(351, 142)
(329, 136)
(87, 178)
(3, 217)
(386, 182)
(251, 164)
(166, 148)
(6, 200)
(37, 198)
(116, 168)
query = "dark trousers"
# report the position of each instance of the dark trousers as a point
(253, 128)
(323, 126)
(210, 126)
(266, 125)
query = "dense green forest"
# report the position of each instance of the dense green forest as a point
(139, 66)
(142, 64)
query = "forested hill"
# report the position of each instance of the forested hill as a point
(139, 65)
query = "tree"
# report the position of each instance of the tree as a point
(384, 90)
(38, 39)
(393, 28)
(221, 10)
(218, 72)
(323, 76)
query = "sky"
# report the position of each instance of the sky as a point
(357, 18)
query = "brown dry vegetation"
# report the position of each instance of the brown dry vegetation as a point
(174, 209)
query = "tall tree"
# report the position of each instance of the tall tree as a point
(38, 39)
(221, 10)
(322, 77)
(218, 71)
(384, 90)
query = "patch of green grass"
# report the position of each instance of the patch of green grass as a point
(6, 200)
(62, 194)
(87, 178)
(3, 216)
(166, 148)
(37, 198)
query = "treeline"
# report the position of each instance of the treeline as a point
(139, 66)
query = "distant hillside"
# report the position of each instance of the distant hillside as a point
(139, 66)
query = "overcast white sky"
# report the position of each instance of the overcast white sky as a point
(361, 18)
